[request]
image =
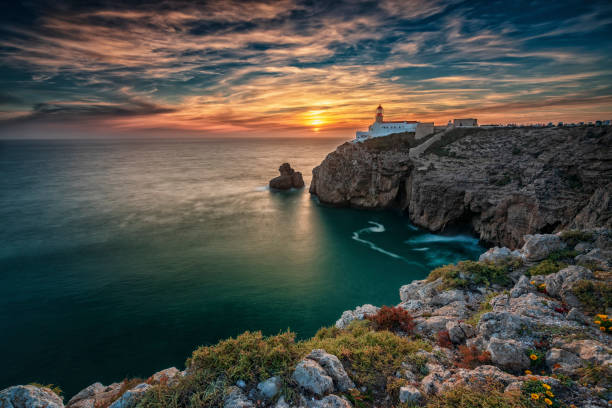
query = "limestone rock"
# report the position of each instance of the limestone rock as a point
(459, 331)
(497, 254)
(86, 396)
(359, 313)
(602, 258)
(281, 403)
(29, 396)
(508, 353)
(331, 401)
(235, 398)
(270, 387)
(522, 287)
(288, 178)
(590, 350)
(560, 282)
(334, 368)
(539, 246)
(168, 376)
(312, 377)
(409, 394)
(130, 397)
(562, 361)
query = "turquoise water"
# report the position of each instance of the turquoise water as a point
(118, 258)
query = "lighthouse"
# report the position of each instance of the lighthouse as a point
(379, 114)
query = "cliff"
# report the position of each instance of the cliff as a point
(503, 182)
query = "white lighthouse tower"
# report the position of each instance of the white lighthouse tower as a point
(382, 128)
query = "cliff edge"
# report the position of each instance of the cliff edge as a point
(503, 182)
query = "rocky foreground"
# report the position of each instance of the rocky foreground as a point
(519, 328)
(504, 183)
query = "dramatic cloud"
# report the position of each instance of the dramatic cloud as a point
(301, 68)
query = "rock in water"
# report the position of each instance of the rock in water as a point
(289, 178)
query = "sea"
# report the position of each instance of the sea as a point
(119, 257)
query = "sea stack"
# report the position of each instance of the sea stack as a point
(288, 178)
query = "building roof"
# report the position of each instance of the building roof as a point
(400, 121)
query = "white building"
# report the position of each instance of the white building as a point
(382, 128)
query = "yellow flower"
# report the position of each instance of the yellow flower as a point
(542, 285)
(527, 372)
(602, 328)
(546, 386)
(550, 394)
(547, 401)
(533, 357)
(535, 396)
(602, 316)
(597, 321)
(532, 282)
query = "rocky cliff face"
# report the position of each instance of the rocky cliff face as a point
(504, 183)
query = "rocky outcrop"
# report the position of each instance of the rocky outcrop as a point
(29, 396)
(288, 178)
(504, 183)
(359, 313)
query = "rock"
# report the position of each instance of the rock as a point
(312, 377)
(168, 376)
(562, 361)
(433, 325)
(459, 331)
(523, 286)
(241, 384)
(601, 258)
(539, 246)
(29, 396)
(497, 254)
(508, 354)
(503, 325)
(269, 388)
(130, 397)
(472, 176)
(359, 313)
(561, 282)
(419, 290)
(577, 316)
(590, 350)
(235, 398)
(87, 393)
(289, 178)
(409, 394)
(281, 403)
(331, 401)
(334, 368)
(583, 247)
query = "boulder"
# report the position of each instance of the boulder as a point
(331, 401)
(288, 178)
(590, 350)
(600, 258)
(269, 388)
(281, 403)
(313, 378)
(508, 354)
(562, 361)
(235, 398)
(86, 397)
(168, 376)
(459, 331)
(561, 282)
(29, 396)
(539, 246)
(359, 313)
(334, 368)
(409, 394)
(522, 287)
(131, 397)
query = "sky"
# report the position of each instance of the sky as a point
(296, 68)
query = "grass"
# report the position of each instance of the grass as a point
(572, 237)
(595, 296)
(370, 357)
(467, 274)
(546, 267)
(439, 146)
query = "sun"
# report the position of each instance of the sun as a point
(315, 119)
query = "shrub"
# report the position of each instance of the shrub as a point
(489, 395)
(595, 375)
(572, 237)
(604, 323)
(595, 296)
(484, 307)
(540, 393)
(546, 267)
(471, 357)
(470, 273)
(392, 319)
(444, 339)
(563, 255)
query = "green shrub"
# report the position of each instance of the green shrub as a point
(490, 395)
(595, 296)
(466, 274)
(572, 237)
(546, 267)
(563, 255)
